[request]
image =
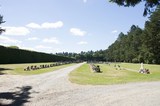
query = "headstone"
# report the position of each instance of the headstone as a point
(141, 66)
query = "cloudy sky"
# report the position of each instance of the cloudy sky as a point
(66, 25)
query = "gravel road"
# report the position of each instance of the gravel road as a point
(54, 89)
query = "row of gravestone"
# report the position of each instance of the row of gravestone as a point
(95, 68)
(35, 67)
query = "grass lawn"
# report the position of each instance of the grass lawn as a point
(19, 68)
(109, 75)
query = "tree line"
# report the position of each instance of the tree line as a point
(11, 55)
(98, 55)
(138, 45)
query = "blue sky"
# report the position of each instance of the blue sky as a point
(66, 25)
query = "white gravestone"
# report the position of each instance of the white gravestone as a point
(141, 66)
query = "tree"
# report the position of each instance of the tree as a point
(151, 37)
(126, 47)
(1, 21)
(148, 7)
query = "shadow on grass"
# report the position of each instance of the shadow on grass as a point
(3, 69)
(17, 98)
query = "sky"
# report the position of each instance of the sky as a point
(53, 26)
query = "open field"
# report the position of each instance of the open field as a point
(110, 75)
(19, 68)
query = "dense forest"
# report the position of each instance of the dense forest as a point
(86, 56)
(14, 55)
(138, 45)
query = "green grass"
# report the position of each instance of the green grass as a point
(84, 75)
(19, 68)
(152, 68)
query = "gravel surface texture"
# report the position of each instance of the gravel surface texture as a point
(54, 89)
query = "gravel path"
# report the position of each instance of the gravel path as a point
(54, 89)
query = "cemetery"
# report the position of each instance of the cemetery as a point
(36, 67)
(32, 68)
(114, 74)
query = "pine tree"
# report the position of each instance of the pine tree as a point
(1, 21)
(151, 37)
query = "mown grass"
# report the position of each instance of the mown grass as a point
(19, 68)
(109, 75)
(151, 67)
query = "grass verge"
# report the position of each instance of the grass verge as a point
(19, 68)
(83, 75)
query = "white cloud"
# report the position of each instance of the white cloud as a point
(46, 25)
(114, 31)
(32, 38)
(58, 24)
(8, 40)
(77, 32)
(51, 40)
(33, 25)
(42, 47)
(46, 49)
(84, 1)
(82, 43)
(22, 31)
